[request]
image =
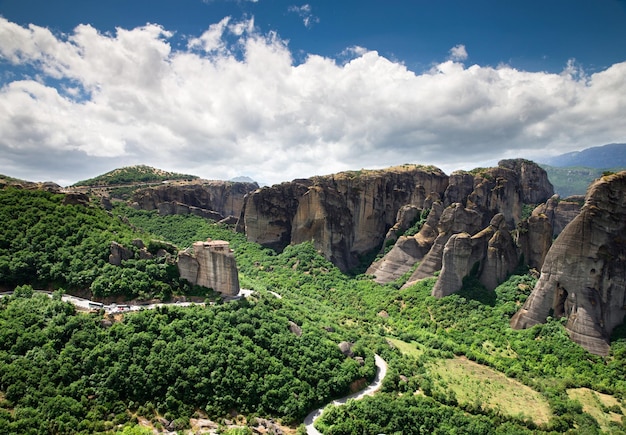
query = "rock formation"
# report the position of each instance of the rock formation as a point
(454, 220)
(560, 212)
(583, 276)
(408, 250)
(211, 199)
(472, 199)
(210, 264)
(120, 253)
(346, 215)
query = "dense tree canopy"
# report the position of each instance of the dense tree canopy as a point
(63, 371)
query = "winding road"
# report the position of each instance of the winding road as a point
(381, 364)
(381, 372)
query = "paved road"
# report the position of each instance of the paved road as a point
(381, 364)
(381, 372)
(123, 308)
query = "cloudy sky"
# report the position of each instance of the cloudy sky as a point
(280, 89)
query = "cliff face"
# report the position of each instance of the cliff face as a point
(584, 273)
(267, 215)
(212, 199)
(211, 264)
(471, 201)
(350, 214)
(345, 214)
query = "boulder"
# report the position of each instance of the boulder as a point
(346, 348)
(583, 277)
(75, 199)
(295, 329)
(119, 253)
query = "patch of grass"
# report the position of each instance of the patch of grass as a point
(600, 406)
(482, 386)
(412, 349)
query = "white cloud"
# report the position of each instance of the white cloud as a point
(458, 53)
(234, 102)
(306, 13)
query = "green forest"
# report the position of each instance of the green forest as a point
(134, 174)
(455, 365)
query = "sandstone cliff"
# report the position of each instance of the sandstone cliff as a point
(584, 273)
(346, 215)
(350, 214)
(211, 199)
(472, 200)
(210, 264)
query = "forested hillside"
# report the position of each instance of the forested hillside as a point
(134, 174)
(574, 180)
(454, 363)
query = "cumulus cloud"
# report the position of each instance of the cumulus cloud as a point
(233, 102)
(306, 13)
(458, 53)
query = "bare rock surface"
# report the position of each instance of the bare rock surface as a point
(213, 199)
(210, 264)
(584, 273)
(345, 215)
(490, 254)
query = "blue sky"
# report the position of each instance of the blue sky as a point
(278, 89)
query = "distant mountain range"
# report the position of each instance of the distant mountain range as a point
(601, 157)
(572, 173)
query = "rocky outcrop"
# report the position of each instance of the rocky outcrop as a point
(211, 199)
(482, 194)
(268, 213)
(171, 208)
(346, 215)
(500, 258)
(454, 220)
(560, 212)
(534, 238)
(75, 199)
(210, 264)
(120, 253)
(407, 215)
(534, 183)
(408, 250)
(489, 254)
(583, 276)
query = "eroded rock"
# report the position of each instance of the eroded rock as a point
(583, 276)
(210, 264)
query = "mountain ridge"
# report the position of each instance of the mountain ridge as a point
(600, 157)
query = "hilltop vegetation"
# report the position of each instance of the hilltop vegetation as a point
(68, 372)
(53, 245)
(574, 180)
(134, 174)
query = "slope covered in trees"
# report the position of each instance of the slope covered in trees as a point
(63, 372)
(49, 244)
(134, 174)
(68, 372)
